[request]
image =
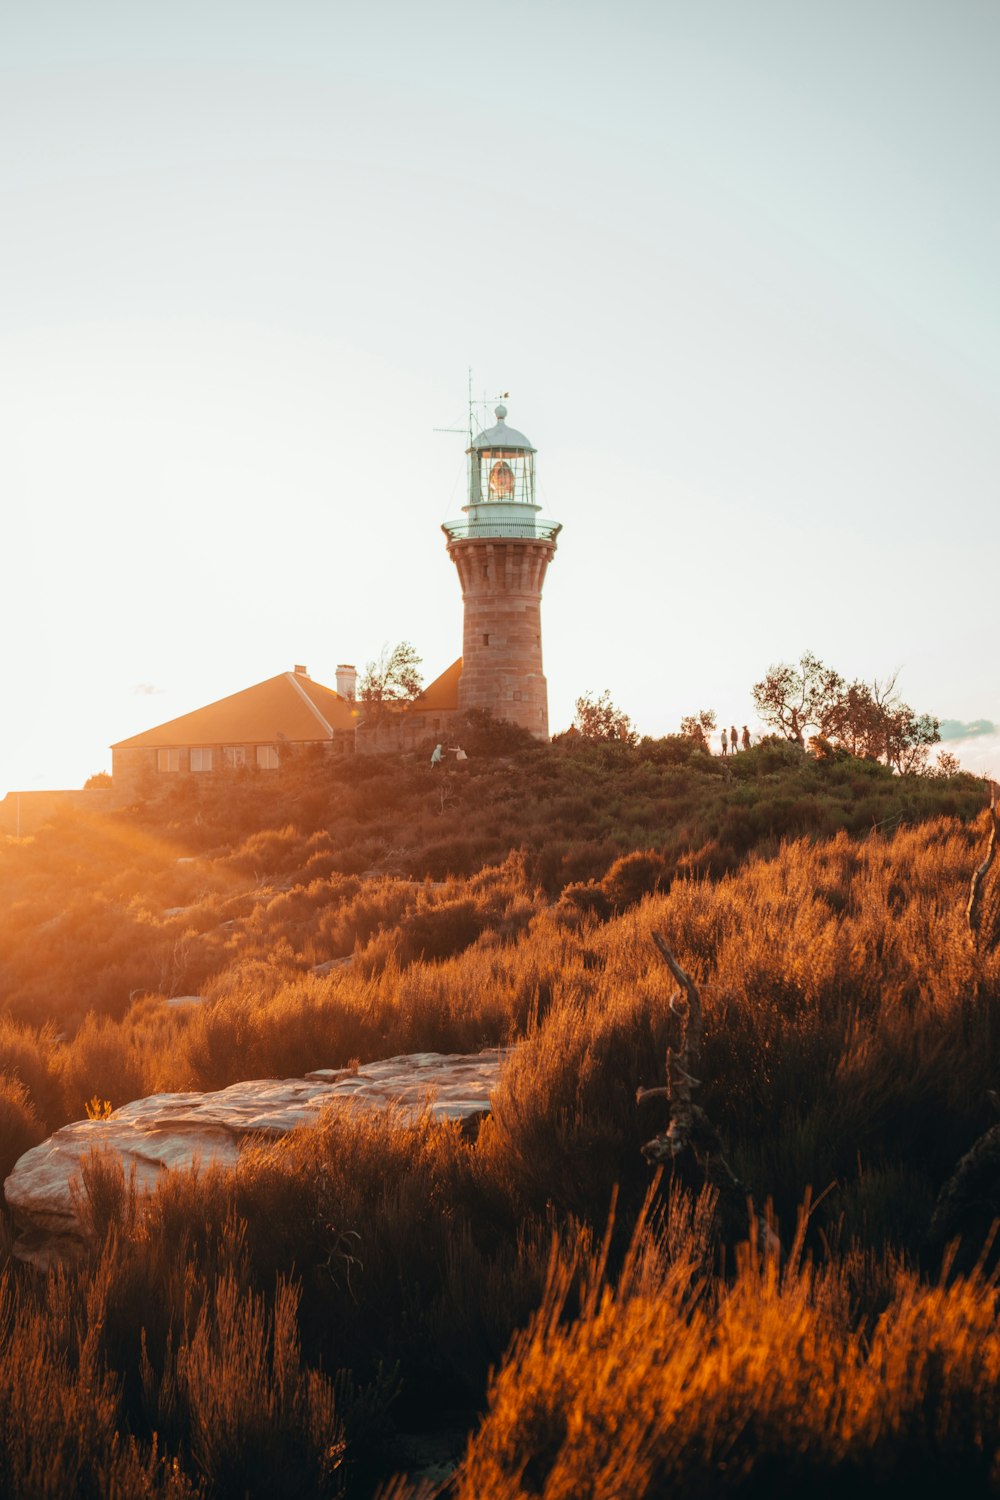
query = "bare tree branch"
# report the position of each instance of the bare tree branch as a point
(973, 910)
(691, 1144)
(680, 1078)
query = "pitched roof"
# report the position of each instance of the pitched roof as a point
(442, 693)
(287, 707)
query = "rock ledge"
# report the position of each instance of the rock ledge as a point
(173, 1131)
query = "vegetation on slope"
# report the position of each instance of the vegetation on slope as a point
(160, 899)
(359, 1279)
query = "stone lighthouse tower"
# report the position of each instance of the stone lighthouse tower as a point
(502, 551)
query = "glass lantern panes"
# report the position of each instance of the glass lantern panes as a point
(503, 476)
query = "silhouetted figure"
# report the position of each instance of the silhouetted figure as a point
(725, 744)
(746, 738)
(733, 740)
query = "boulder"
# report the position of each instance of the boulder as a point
(330, 965)
(173, 1131)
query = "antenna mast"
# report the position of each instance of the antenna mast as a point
(474, 423)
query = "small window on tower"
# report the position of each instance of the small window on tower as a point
(486, 637)
(486, 570)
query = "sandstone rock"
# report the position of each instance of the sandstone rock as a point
(173, 1131)
(331, 964)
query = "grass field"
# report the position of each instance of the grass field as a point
(535, 1301)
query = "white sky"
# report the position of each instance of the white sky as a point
(736, 263)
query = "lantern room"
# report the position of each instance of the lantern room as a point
(501, 466)
(501, 487)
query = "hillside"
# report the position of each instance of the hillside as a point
(375, 907)
(302, 867)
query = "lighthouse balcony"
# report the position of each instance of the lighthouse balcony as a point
(526, 527)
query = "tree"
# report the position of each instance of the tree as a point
(393, 677)
(699, 726)
(869, 720)
(859, 722)
(909, 737)
(873, 721)
(599, 719)
(948, 764)
(794, 699)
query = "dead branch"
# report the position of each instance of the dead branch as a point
(973, 910)
(681, 1081)
(967, 1206)
(691, 1143)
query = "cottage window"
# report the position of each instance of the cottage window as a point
(267, 757)
(168, 760)
(234, 756)
(201, 760)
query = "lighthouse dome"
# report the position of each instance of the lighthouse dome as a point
(501, 436)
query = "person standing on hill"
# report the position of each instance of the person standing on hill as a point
(436, 756)
(733, 740)
(725, 743)
(746, 738)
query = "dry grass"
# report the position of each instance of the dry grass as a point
(363, 1276)
(669, 1381)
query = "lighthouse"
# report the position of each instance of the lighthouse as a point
(502, 551)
